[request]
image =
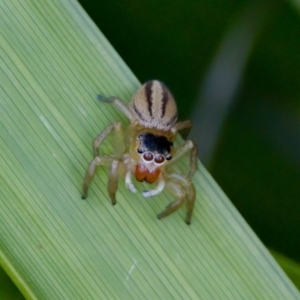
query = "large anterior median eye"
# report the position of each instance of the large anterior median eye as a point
(148, 156)
(159, 159)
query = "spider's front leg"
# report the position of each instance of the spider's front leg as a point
(188, 146)
(183, 189)
(104, 160)
(113, 161)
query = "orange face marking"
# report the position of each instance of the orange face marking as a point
(143, 174)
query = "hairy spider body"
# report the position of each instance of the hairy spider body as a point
(146, 149)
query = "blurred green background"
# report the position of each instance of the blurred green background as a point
(234, 68)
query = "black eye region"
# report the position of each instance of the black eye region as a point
(139, 150)
(155, 143)
(168, 157)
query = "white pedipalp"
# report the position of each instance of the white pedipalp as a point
(159, 188)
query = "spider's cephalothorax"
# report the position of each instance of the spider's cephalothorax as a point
(146, 150)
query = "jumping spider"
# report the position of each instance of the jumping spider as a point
(146, 150)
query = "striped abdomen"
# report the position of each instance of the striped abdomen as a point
(154, 106)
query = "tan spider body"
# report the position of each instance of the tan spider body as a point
(146, 149)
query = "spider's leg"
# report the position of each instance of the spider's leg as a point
(129, 183)
(183, 189)
(103, 135)
(159, 188)
(190, 201)
(119, 104)
(185, 125)
(90, 172)
(113, 178)
(188, 146)
(193, 161)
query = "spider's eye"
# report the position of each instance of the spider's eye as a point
(139, 150)
(168, 157)
(159, 159)
(148, 156)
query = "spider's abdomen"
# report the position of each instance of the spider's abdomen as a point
(154, 106)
